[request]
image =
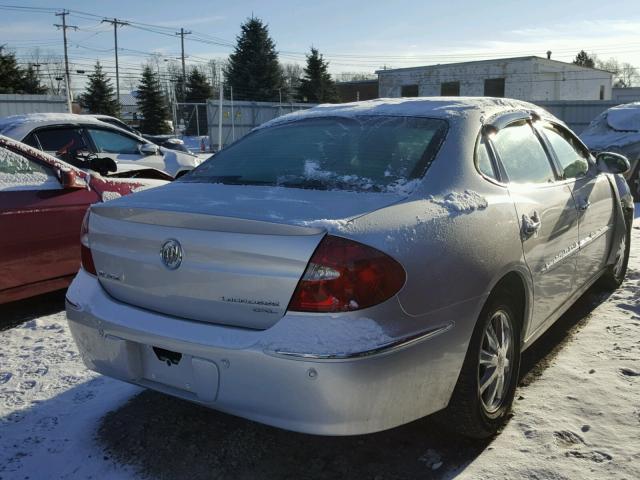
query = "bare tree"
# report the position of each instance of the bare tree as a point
(292, 74)
(50, 69)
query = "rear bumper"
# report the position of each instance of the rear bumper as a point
(240, 372)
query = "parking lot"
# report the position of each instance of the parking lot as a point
(576, 415)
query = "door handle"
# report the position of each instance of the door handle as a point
(584, 205)
(531, 224)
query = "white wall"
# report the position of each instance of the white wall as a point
(527, 79)
(15, 104)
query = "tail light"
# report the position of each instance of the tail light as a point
(344, 275)
(85, 250)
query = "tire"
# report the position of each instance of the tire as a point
(634, 182)
(471, 412)
(614, 275)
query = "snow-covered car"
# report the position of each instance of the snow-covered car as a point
(618, 130)
(42, 203)
(59, 133)
(352, 268)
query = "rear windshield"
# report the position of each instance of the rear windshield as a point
(366, 153)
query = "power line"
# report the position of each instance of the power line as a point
(182, 33)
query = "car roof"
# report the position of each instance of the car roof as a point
(455, 109)
(19, 126)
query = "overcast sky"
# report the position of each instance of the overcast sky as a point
(355, 36)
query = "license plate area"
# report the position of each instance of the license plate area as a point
(181, 371)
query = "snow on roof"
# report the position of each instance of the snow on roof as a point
(434, 107)
(45, 117)
(616, 127)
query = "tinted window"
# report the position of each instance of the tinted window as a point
(368, 153)
(570, 154)
(61, 140)
(483, 160)
(522, 155)
(107, 141)
(20, 173)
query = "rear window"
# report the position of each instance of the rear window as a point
(367, 153)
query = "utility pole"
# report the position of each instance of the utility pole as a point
(220, 111)
(182, 33)
(115, 22)
(64, 27)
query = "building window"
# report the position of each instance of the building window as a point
(409, 91)
(494, 87)
(450, 89)
(601, 92)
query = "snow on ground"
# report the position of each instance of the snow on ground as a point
(50, 405)
(578, 418)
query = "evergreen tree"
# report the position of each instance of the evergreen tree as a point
(152, 104)
(99, 96)
(317, 86)
(584, 60)
(198, 91)
(14, 79)
(253, 70)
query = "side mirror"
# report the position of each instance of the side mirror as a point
(149, 149)
(609, 162)
(71, 181)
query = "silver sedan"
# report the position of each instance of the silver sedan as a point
(355, 267)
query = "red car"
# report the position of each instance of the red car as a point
(42, 203)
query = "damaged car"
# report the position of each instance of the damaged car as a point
(42, 203)
(351, 268)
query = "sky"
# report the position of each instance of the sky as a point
(353, 35)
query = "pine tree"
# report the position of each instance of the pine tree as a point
(317, 86)
(198, 91)
(99, 97)
(253, 70)
(152, 104)
(584, 60)
(14, 79)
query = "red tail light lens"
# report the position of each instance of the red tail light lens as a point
(85, 250)
(344, 275)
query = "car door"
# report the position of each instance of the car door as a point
(547, 213)
(39, 220)
(123, 148)
(593, 196)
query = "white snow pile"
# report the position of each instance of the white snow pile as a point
(107, 195)
(464, 202)
(625, 118)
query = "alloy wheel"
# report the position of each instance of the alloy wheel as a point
(496, 361)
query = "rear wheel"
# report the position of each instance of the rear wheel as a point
(615, 273)
(486, 386)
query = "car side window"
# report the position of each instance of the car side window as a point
(21, 173)
(522, 155)
(483, 160)
(113, 142)
(570, 154)
(61, 140)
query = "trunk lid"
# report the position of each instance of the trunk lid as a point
(244, 248)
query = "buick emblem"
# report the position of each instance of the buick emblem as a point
(171, 254)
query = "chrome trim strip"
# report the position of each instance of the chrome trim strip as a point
(383, 349)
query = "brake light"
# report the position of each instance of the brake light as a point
(85, 250)
(344, 275)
